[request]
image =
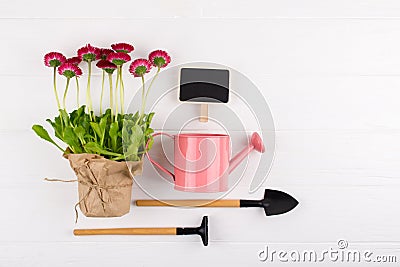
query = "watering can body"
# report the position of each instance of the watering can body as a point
(202, 161)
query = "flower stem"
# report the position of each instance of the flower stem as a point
(88, 97)
(65, 94)
(122, 90)
(55, 88)
(102, 92)
(151, 84)
(111, 94)
(116, 95)
(77, 91)
(143, 95)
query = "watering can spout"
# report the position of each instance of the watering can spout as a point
(255, 143)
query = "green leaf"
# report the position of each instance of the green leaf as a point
(113, 132)
(93, 147)
(86, 125)
(58, 129)
(151, 142)
(65, 117)
(42, 133)
(72, 140)
(103, 128)
(137, 135)
(132, 149)
(131, 152)
(125, 135)
(80, 133)
(149, 118)
(107, 113)
(78, 115)
(148, 131)
(96, 128)
(124, 138)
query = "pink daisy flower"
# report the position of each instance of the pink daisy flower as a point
(118, 58)
(73, 60)
(159, 58)
(54, 59)
(104, 52)
(139, 67)
(89, 53)
(107, 66)
(122, 47)
(69, 70)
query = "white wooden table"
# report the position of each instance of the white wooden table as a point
(330, 71)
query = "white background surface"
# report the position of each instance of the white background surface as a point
(329, 71)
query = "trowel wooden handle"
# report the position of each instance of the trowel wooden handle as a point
(190, 203)
(126, 231)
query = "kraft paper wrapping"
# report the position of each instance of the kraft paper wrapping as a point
(104, 186)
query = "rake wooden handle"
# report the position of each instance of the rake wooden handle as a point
(190, 203)
(126, 231)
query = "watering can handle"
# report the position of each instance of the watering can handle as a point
(158, 165)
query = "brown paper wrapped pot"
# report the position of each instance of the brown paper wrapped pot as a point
(104, 186)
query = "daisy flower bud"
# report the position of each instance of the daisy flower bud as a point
(69, 70)
(159, 58)
(107, 66)
(139, 67)
(122, 47)
(104, 52)
(54, 59)
(118, 58)
(73, 60)
(89, 53)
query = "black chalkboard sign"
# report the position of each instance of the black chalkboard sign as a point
(204, 85)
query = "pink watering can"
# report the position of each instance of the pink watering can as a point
(201, 161)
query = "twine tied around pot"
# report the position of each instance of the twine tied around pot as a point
(91, 187)
(111, 182)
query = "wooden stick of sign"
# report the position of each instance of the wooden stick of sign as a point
(203, 113)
